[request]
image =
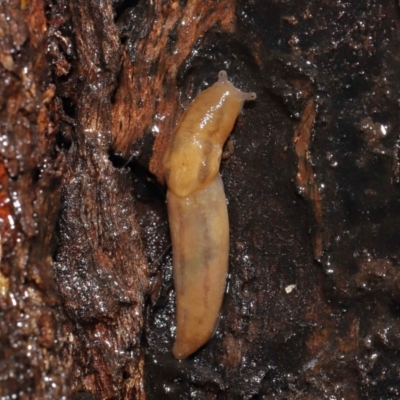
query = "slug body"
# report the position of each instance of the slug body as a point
(197, 211)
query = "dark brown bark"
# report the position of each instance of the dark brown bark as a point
(34, 361)
(90, 92)
(100, 269)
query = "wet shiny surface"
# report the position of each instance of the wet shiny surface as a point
(313, 189)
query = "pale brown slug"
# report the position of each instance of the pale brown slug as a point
(197, 211)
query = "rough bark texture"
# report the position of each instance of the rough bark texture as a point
(34, 361)
(89, 93)
(100, 268)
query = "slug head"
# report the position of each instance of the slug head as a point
(193, 156)
(220, 106)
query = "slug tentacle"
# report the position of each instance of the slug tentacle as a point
(198, 213)
(243, 96)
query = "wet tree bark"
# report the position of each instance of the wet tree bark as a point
(34, 359)
(89, 94)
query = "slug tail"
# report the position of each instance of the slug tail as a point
(200, 241)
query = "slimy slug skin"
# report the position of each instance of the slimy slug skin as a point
(200, 240)
(197, 211)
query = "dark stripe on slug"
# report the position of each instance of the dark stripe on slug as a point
(203, 172)
(217, 121)
(180, 256)
(213, 132)
(208, 252)
(207, 286)
(204, 167)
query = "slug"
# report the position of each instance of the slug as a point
(197, 211)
